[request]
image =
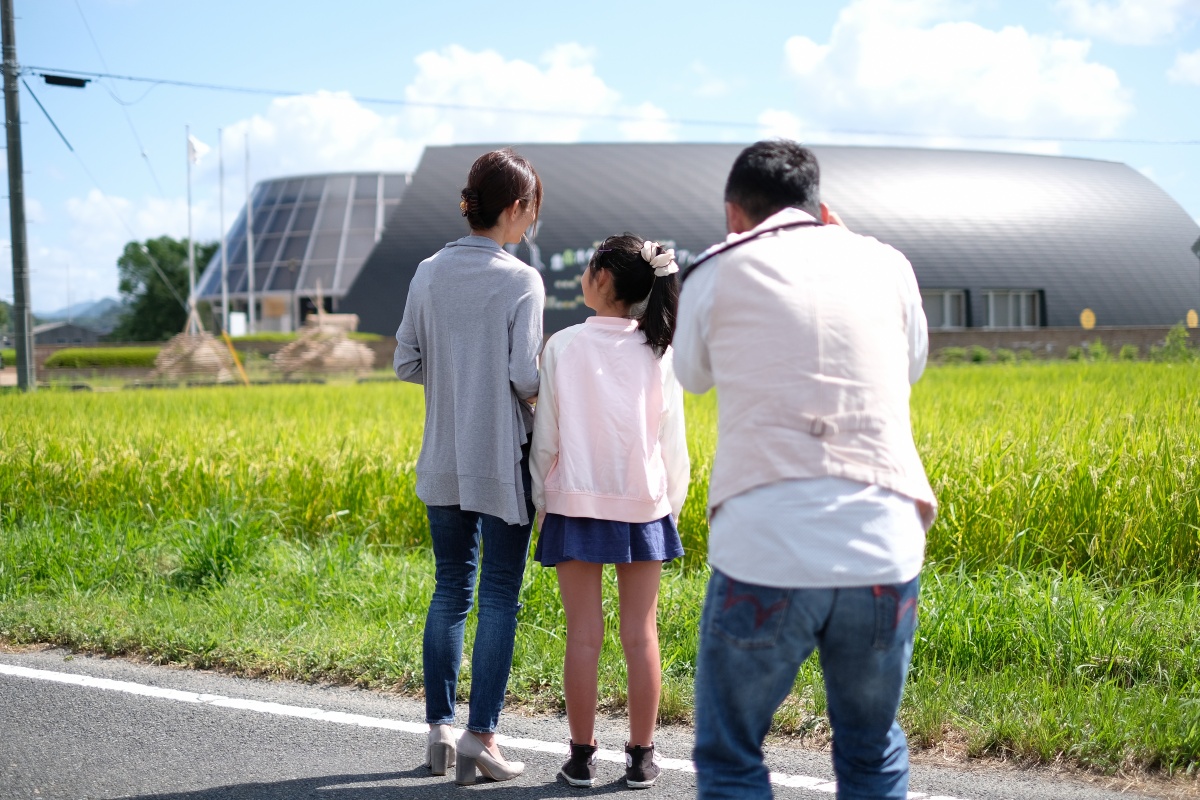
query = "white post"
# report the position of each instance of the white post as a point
(251, 316)
(191, 324)
(221, 222)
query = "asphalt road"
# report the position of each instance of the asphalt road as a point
(173, 734)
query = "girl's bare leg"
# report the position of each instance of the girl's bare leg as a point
(637, 584)
(579, 585)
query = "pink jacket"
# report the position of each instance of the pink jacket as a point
(608, 434)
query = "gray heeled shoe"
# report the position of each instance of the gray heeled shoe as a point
(439, 756)
(472, 756)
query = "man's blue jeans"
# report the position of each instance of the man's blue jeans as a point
(753, 640)
(457, 536)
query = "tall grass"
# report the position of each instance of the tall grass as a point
(274, 530)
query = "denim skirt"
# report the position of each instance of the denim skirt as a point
(602, 541)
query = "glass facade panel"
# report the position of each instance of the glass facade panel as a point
(333, 215)
(261, 192)
(362, 216)
(273, 190)
(305, 217)
(291, 191)
(261, 218)
(280, 219)
(295, 247)
(261, 276)
(366, 187)
(312, 190)
(339, 186)
(237, 277)
(319, 272)
(326, 245)
(285, 276)
(359, 244)
(265, 250)
(393, 186)
(238, 254)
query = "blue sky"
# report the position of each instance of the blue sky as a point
(1028, 76)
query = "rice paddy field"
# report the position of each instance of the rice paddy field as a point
(273, 531)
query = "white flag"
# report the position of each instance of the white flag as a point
(196, 149)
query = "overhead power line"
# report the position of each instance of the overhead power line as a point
(120, 102)
(584, 115)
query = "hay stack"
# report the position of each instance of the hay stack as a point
(194, 356)
(324, 346)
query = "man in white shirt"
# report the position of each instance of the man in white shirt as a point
(818, 500)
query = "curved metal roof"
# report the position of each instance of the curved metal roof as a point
(309, 230)
(1080, 233)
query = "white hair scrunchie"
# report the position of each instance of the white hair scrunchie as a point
(663, 263)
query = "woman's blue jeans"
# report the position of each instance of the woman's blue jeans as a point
(457, 538)
(753, 640)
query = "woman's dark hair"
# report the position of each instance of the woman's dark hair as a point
(634, 283)
(497, 180)
(772, 175)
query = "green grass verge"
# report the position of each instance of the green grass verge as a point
(8, 355)
(103, 357)
(273, 530)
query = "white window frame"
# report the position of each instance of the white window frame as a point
(1017, 305)
(947, 298)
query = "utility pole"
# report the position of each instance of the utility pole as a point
(23, 322)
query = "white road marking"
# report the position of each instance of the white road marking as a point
(363, 721)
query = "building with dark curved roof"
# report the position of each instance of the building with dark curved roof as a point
(997, 240)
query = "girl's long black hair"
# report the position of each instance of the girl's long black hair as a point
(652, 300)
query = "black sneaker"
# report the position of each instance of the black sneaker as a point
(580, 769)
(640, 770)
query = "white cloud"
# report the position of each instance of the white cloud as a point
(331, 131)
(1186, 68)
(901, 66)
(652, 125)
(711, 85)
(779, 124)
(1129, 21)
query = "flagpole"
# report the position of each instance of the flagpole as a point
(221, 222)
(253, 326)
(191, 323)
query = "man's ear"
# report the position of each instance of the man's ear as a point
(825, 218)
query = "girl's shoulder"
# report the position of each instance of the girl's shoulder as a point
(559, 341)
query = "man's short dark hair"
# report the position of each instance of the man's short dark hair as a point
(772, 175)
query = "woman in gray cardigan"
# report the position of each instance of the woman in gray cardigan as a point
(471, 333)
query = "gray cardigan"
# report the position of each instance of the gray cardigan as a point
(471, 333)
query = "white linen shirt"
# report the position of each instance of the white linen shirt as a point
(608, 434)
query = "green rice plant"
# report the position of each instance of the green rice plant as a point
(1097, 351)
(103, 357)
(978, 354)
(1175, 347)
(1128, 352)
(1076, 353)
(1005, 356)
(1024, 354)
(952, 355)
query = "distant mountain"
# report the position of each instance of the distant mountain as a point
(100, 315)
(78, 311)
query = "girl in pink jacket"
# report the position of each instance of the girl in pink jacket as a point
(610, 471)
